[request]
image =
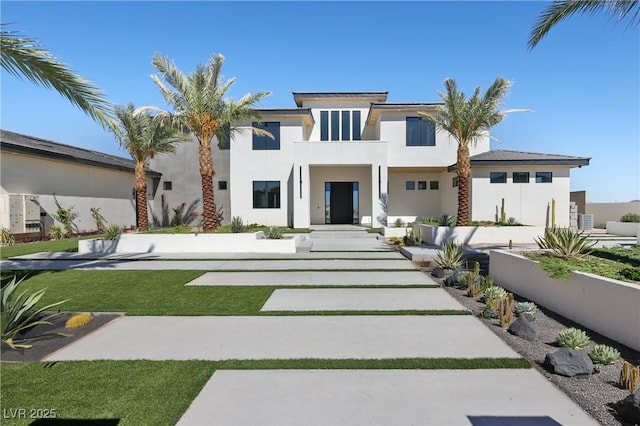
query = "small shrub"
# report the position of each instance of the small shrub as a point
(428, 220)
(112, 232)
(630, 273)
(450, 257)
(273, 233)
(182, 228)
(603, 354)
(397, 242)
(413, 238)
(399, 223)
(56, 232)
(525, 308)
(573, 338)
(237, 225)
(565, 243)
(630, 217)
(65, 216)
(446, 220)
(97, 218)
(512, 221)
(79, 320)
(7, 237)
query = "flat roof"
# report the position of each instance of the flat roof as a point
(502, 157)
(304, 113)
(31, 145)
(377, 96)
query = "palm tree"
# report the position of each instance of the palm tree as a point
(200, 106)
(561, 9)
(143, 135)
(467, 120)
(24, 57)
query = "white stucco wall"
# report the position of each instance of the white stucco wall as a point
(332, 105)
(417, 202)
(607, 212)
(77, 185)
(529, 203)
(449, 200)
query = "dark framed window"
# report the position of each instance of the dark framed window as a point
(222, 185)
(544, 177)
(335, 125)
(356, 125)
(422, 185)
(434, 184)
(224, 139)
(265, 142)
(167, 185)
(324, 125)
(498, 177)
(266, 194)
(455, 181)
(520, 177)
(420, 132)
(346, 125)
(410, 185)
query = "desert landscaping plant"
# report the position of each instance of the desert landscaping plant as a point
(565, 243)
(97, 218)
(237, 224)
(65, 216)
(112, 232)
(629, 377)
(603, 354)
(450, 256)
(573, 338)
(56, 232)
(19, 312)
(273, 233)
(446, 220)
(525, 308)
(399, 223)
(412, 238)
(7, 238)
(630, 217)
(79, 320)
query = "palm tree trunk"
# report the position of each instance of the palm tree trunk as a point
(207, 173)
(141, 196)
(464, 171)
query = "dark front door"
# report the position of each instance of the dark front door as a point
(341, 202)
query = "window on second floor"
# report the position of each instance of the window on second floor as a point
(340, 125)
(420, 132)
(265, 142)
(544, 177)
(224, 140)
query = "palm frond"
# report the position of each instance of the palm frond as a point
(23, 57)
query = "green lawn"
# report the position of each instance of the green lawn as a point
(159, 392)
(66, 245)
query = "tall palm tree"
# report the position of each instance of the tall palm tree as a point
(24, 57)
(143, 135)
(562, 9)
(200, 106)
(467, 120)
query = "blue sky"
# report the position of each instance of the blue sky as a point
(582, 81)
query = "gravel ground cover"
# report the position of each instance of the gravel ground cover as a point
(594, 393)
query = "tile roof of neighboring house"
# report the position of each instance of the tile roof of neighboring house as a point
(16, 142)
(504, 157)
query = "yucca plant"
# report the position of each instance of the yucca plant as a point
(565, 243)
(450, 257)
(112, 232)
(19, 313)
(273, 233)
(399, 223)
(446, 220)
(237, 225)
(573, 338)
(603, 354)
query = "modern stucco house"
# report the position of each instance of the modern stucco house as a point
(335, 156)
(33, 169)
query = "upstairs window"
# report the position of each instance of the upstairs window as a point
(544, 177)
(498, 177)
(340, 125)
(265, 142)
(324, 125)
(335, 125)
(420, 132)
(224, 139)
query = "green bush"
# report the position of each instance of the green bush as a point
(65, 216)
(273, 233)
(399, 223)
(603, 354)
(112, 232)
(446, 220)
(630, 217)
(18, 313)
(56, 232)
(631, 273)
(573, 338)
(7, 237)
(237, 225)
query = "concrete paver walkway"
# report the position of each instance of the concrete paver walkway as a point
(360, 299)
(288, 337)
(382, 397)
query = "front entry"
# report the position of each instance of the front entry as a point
(341, 202)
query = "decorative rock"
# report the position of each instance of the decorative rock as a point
(438, 273)
(629, 408)
(569, 362)
(523, 327)
(452, 278)
(530, 317)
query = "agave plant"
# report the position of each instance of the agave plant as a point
(603, 354)
(450, 257)
(565, 243)
(525, 308)
(237, 225)
(19, 313)
(573, 338)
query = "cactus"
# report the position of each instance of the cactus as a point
(573, 338)
(603, 354)
(474, 281)
(553, 213)
(503, 213)
(629, 377)
(510, 244)
(79, 320)
(505, 306)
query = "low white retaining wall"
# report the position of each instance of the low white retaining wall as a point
(191, 243)
(390, 232)
(437, 235)
(609, 307)
(624, 229)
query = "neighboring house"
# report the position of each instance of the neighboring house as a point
(33, 169)
(337, 155)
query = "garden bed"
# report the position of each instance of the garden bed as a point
(502, 235)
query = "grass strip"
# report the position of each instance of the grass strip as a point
(68, 245)
(428, 312)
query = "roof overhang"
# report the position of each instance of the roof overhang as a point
(302, 113)
(300, 97)
(573, 162)
(378, 108)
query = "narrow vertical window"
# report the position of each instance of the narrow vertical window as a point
(324, 125)
(335, 125)
(346, 125)
(356, 125)
(413, 131)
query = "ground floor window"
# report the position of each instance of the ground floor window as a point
(422, 185)
(410, 185)
(434, 184)
(222, 185)
(266, 194)
(544, 177)
(167, 185)
(455, 181)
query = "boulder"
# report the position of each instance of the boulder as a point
(523, 327)
(569, 362)
(629, 408)
(438, 273)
